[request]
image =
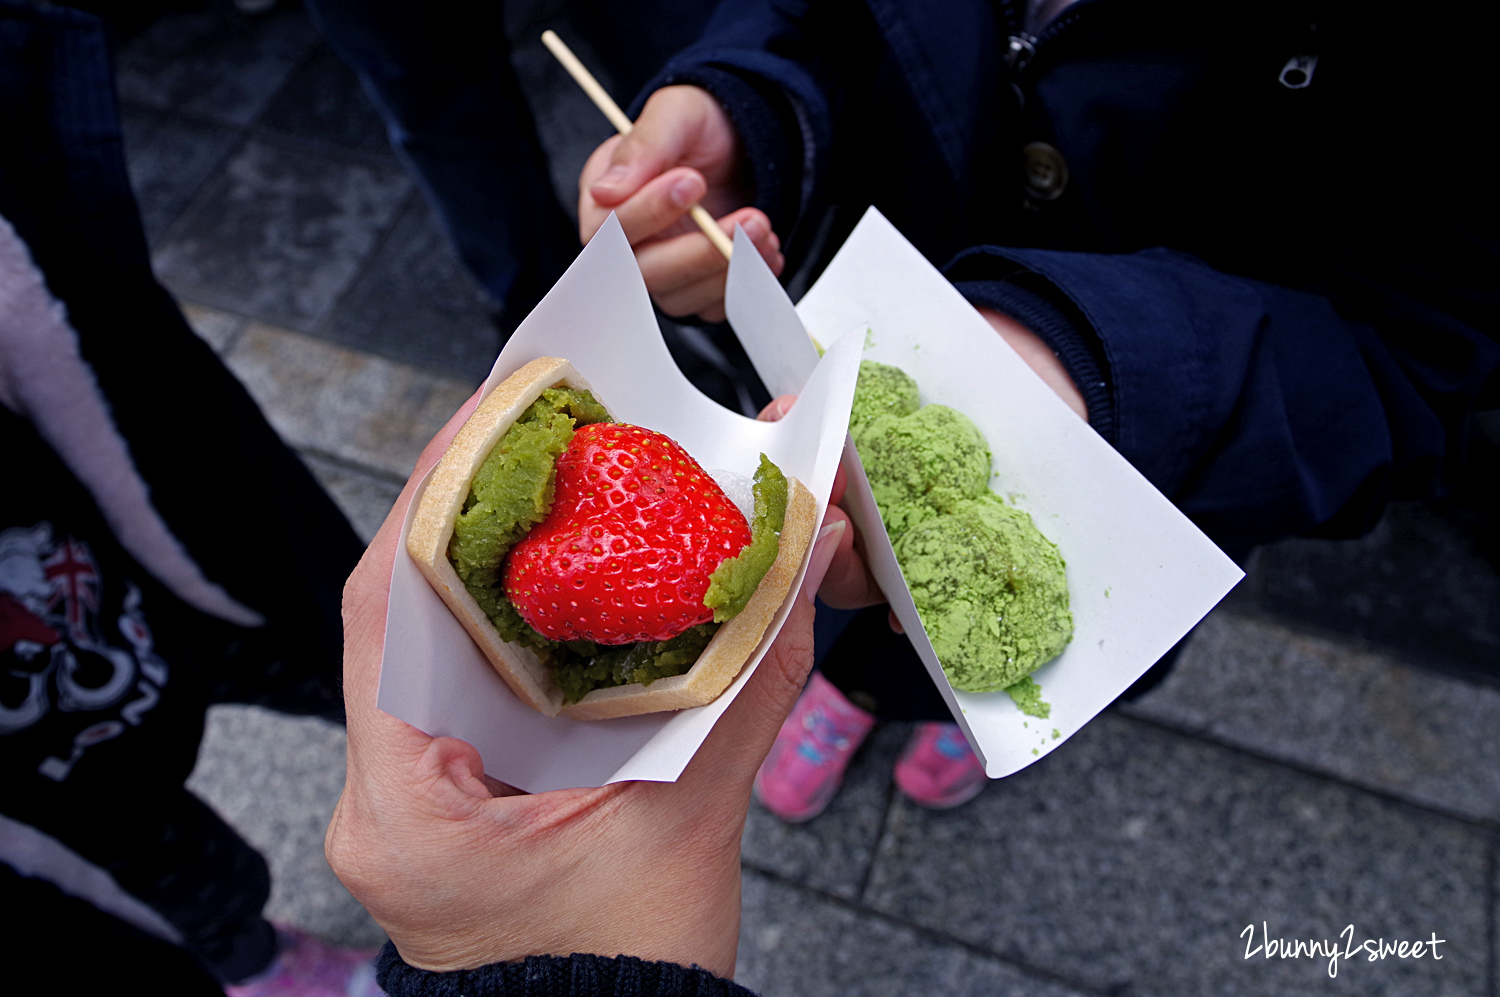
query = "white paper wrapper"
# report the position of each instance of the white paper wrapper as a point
(1140, 575)
(599, 317)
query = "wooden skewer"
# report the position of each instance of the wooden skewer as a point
(623, 125)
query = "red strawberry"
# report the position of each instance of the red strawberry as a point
(635, 530)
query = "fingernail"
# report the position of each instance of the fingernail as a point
(612, 176)
(778, 408)
(822, 556)
(755, 228)
(685, 192)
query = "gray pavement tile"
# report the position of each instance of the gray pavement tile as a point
(169, 158)
(796, 944)
(218, 329)
(833, 851)
(364, 498)
(1135, 858)
(1419, 583)
(1319, 703)
(323, 101)
(414, 302)
(281, 232)
(363, 410)
(276, 780)
(214, 62)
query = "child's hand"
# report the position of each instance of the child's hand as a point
(683, 151)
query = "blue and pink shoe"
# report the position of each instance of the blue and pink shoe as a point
(938, 770)
(806, 764)
(801, 775)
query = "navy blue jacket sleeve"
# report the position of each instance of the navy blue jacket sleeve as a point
(1261, 410)
(576, 975)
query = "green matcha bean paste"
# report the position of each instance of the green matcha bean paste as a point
(735, 580)
(512, 492)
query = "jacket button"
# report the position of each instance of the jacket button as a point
(1046, 171)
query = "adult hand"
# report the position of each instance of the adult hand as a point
(463, 871)
(683, 151)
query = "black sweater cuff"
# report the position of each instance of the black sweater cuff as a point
(576, 975)
(1036, 303)
(768, 131)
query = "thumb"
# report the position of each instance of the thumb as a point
(653, 146)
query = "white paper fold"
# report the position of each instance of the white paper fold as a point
(766, 322)
(1140, 575)
(599, 317)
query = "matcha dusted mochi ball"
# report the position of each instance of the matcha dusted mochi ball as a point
(882, 390)
(923, 465)
(991, 590)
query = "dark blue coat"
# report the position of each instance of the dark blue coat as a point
(1280, 301)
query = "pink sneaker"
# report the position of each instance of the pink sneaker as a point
(938, 769)
(308, 967)
(806, 764)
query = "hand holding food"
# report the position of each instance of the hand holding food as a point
(461, 871)
(683, 150)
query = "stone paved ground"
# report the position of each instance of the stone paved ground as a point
(1325, 754)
